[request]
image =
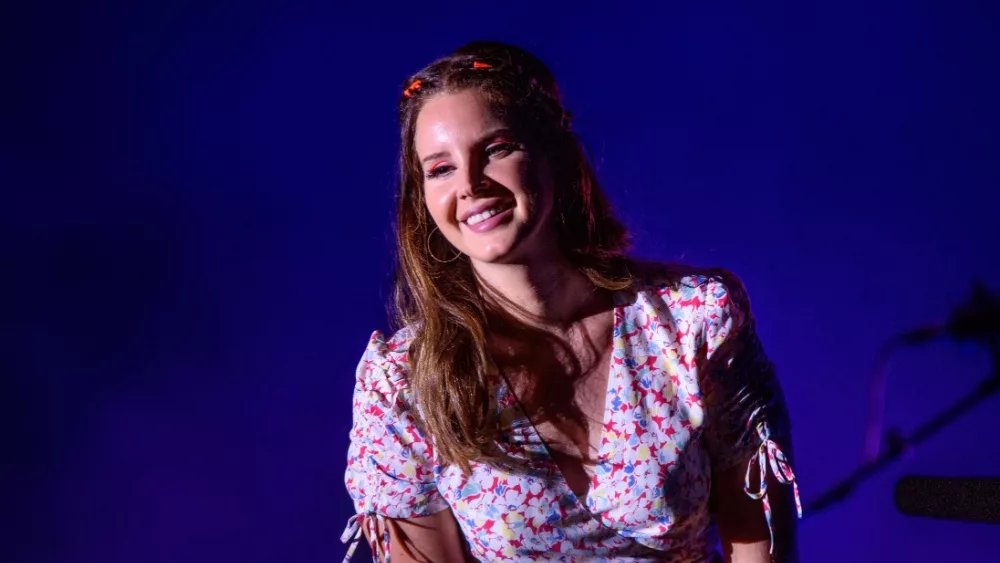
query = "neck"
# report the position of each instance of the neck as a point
(546, 293)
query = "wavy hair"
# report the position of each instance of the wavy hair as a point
(450, 363)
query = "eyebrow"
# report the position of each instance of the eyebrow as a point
(434, 156)
(489, 135)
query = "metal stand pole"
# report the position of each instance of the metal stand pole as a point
(897, 444)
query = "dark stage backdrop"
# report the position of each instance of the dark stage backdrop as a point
(196, 242)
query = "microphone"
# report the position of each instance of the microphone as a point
(977, 318)
(963, 499)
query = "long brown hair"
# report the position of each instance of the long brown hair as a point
(436, 290)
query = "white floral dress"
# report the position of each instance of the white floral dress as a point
(690, 392)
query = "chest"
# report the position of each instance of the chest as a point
(634, 467)
(646, 474)
(567, 412)
(561, 387)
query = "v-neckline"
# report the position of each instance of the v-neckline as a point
(617, 318)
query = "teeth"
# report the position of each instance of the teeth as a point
(480, 217)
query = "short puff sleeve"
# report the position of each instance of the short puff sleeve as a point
(390, 463)
(745, 407)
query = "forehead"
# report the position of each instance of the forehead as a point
(454, 119)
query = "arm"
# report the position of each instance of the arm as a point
(391, 468)
(740, 518)
(748, 435)
(425, 539)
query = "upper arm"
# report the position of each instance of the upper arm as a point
(425, 539)
(747, 432)
(743, 528)
(391, 466)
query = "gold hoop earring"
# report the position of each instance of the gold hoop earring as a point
(430, 251)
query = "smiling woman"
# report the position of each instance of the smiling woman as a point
(546, 397)
(471, 150)
(513, 192)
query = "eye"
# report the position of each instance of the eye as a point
(501, 148)
(439, 169)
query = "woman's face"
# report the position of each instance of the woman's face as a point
(489, 193)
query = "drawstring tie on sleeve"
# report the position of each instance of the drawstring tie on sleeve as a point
(355, 528)
(769, 454)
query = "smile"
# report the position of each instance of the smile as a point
(484, 215)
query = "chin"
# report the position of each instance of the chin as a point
(518, 247)
(496, 247)
(514, 255)
(490, 257)
(513, 243)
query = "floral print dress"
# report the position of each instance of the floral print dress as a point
(690, 392)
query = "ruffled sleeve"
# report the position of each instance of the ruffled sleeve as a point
(390, 465)
(745, 408)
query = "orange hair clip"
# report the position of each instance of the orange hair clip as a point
(411, 88)
(478, 64)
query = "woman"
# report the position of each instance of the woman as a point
(546, 397)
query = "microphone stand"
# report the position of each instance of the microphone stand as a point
(897, 444)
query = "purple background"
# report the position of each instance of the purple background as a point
(197, 242)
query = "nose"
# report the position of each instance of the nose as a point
(475, 180)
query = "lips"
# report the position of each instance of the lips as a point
(495, 205)
(490, 219)
(491, 212)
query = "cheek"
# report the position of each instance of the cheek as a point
(526, 178)
(541, 187)
(441, 206)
